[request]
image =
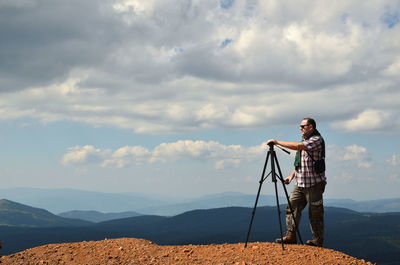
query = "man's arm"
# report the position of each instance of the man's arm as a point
(290, 145)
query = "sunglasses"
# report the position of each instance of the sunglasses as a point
(302, 126)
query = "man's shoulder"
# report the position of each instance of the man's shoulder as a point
(314, 138)
(313, 142)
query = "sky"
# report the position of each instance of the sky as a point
(178, 97)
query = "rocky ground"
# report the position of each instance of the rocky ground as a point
(132, 251)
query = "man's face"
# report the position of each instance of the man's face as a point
(305, 128)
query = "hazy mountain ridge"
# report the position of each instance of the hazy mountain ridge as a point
(210, 202)
(16, 214)
(65, 200)
(96, 217)
(375, 206)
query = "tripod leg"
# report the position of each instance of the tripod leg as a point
(279, 214)
(288, 200)
(258, 195)
(273, 160)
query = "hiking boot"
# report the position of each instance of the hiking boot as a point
(315, 243)
(289, 238)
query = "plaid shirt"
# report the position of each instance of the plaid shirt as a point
(305, 175)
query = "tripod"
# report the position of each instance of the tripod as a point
(274, 161)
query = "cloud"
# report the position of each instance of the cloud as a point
(349, 156)
(395, 178)
(126, 156)
(359, 154)
(84, 155)
(394, 160)
(157, 66)
(393, 70)
(227, 163)
(44, 40)
(345, 177)
(222, 155)
(369, 120)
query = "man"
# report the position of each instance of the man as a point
(309, 185)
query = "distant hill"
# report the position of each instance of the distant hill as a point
(64, 200)
(245, 200)
(96, 217)
(373, 206)
(16, 214)
(227, 199)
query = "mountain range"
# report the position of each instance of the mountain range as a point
(371, 236)
(95, 216)
(66, 200)
(16, 214)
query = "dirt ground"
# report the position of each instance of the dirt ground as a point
(132, 251)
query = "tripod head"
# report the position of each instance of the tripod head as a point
(271, 148)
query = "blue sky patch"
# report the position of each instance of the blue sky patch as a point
(225, 43)
(226, 4)
(391, 19)
(179, 50)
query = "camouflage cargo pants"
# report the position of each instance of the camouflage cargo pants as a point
(298, 200)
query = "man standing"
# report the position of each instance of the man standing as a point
(310, 185)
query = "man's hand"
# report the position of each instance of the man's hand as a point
(290, 178)
(272, 141)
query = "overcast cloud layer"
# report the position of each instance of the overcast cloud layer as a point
(160, 66)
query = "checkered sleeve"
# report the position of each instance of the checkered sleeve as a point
(314, 146)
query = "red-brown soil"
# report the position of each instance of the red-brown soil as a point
(132, 251)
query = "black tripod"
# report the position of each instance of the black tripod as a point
(274, 177)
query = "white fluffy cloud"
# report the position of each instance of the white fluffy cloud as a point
(394, 160)
(222, 155)
(157, 66)
(84, 154)
(126, 156)
(370, 120)
(359, 154)
(349, 156)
